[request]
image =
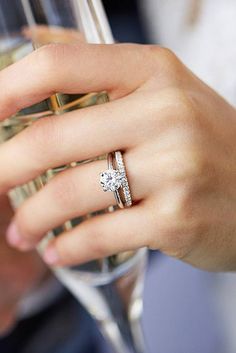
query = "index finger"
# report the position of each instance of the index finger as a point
(74, 68)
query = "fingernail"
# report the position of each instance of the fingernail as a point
(14, 238)
(13, 235)
(51, 256)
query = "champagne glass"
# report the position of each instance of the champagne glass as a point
(110, 289)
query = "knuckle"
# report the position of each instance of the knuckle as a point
(186, 239)
(10, 102)
(65, 191)
(167, 54)
(97, 242)
(187, 165)
(186, 158)
(51, 55)
(97, 247)
(167, 60)
(172, 108)
(173, 206)
(194, 165)
(198, 171)
(179, 102)
(180, 238)
(179, 223)
(184, 104)
(42, 138)
(49, 59)
(26, 227)
(202, 170)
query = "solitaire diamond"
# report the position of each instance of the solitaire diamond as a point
(111, 180)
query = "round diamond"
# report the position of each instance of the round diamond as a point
(111, 180)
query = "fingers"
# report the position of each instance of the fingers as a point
(71, 194)
(77, 68)
(101, 236)
(75, 136)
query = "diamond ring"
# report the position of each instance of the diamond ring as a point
(115, 179)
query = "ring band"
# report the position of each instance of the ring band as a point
(110, 162)
(125, 185)
(115, 179)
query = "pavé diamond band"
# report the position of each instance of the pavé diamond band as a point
(115, 179)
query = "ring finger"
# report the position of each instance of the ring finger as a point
(73, 193)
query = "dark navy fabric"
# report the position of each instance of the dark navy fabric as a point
(125, 20)
(64, 327)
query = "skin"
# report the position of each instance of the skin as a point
(178, 139)
(19, 272)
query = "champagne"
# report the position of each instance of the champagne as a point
(13, 50)
(110, 289)
(55, 105)
(115, 279)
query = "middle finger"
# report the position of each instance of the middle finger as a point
(75, 136)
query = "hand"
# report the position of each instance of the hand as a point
(19, 272)
(178, 139)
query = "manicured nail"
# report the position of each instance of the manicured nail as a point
(13, 235)
(51, 256)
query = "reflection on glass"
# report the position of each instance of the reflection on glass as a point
(110, 289)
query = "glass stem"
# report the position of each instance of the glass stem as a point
(116, 305)
(123, 329)
(123, 335)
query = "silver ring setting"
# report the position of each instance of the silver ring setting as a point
(114, 179)
(111, 180)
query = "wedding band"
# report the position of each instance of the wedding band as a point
(115, 179)
(125, 184)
